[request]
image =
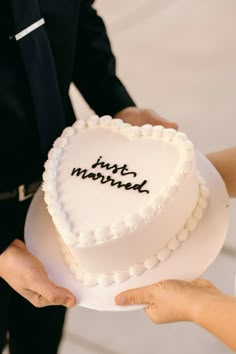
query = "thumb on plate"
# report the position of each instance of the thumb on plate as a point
(137, 296)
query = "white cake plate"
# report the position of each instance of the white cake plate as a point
(188, 262)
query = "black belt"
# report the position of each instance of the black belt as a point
(22, 192)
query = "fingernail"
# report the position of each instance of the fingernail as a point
(119, 300)
(68, 302)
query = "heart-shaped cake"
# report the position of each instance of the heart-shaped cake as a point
(122, 197)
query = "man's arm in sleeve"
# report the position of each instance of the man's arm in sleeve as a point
(7, 231)
(95, 65)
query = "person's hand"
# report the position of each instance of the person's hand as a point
(141, 116)
(26, 275)
(172, 300)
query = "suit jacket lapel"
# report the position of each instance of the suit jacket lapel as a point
(40, 70)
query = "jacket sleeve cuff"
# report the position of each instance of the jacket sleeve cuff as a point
(110, 100)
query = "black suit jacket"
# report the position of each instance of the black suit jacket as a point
(72, 46)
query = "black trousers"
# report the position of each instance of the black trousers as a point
(29, 330)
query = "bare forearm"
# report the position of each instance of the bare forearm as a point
(225, 163)
(219, 318)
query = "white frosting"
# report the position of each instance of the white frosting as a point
(109, 234)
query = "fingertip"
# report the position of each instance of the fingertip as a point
(170, 125)
(119, 300)
(69, 298)
(173, 125)
(176, 127)
(70, 302)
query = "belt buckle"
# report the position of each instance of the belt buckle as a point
(22, 194)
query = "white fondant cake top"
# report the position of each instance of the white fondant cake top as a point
(104, 177)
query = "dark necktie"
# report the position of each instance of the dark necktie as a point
(39, 67)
